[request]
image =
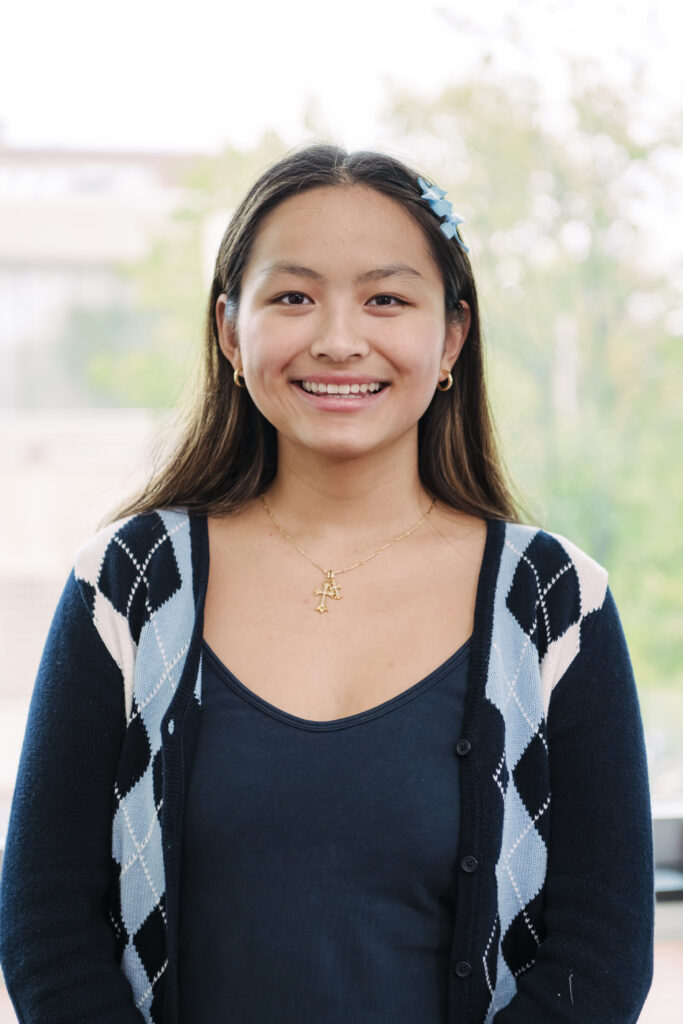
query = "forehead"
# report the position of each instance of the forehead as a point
(345, 226)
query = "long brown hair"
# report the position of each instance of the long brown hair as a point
(225, 453)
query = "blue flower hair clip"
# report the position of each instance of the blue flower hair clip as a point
(443, 208)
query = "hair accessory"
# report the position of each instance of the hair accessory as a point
(446, 383)
(443, 208)
(236, 377)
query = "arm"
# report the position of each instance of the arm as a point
(595, 964)
(56, 945)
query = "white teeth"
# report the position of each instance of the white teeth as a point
(316, 388)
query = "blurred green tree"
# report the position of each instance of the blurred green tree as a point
(585, 354)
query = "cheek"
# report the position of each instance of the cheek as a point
(266, 347)
(420, 353)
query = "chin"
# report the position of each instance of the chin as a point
(338, 449)
(342, 452)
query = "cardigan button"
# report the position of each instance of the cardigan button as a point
(463, 747)
(462, 969)
(469, 864)
(171, 726)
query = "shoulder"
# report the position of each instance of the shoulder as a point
(550, 569)
(129, 559)
(133, 540)
(548, 595)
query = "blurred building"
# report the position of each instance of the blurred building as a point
(69, 223)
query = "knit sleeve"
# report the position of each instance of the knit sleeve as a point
(56, 944)
(595, 963)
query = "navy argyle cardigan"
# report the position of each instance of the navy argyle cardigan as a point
(554, 924)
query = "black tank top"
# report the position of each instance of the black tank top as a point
(319, 858)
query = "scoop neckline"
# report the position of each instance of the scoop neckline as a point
(230, 679)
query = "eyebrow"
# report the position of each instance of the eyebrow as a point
(378, 274)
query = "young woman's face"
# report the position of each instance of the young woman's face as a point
(341, 331)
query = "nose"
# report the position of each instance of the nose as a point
(340, 337)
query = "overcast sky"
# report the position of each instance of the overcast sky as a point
(152, 75)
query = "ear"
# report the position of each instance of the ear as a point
(227, 334)
(457, 330)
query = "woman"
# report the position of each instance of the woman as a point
(371, 748)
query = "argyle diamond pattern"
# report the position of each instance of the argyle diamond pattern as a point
(142, 581)
(555, 589)
(545, 588)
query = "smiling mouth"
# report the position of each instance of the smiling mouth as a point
(316, 388)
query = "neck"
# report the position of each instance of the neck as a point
(359, 499)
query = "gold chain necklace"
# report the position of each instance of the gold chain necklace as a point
(330, 588)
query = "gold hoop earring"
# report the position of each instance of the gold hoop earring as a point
(447, 380)
(236, 377)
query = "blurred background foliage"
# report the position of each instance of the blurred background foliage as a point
(584, 337)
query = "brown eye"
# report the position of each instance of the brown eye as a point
(291, 299)
(388, 300)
